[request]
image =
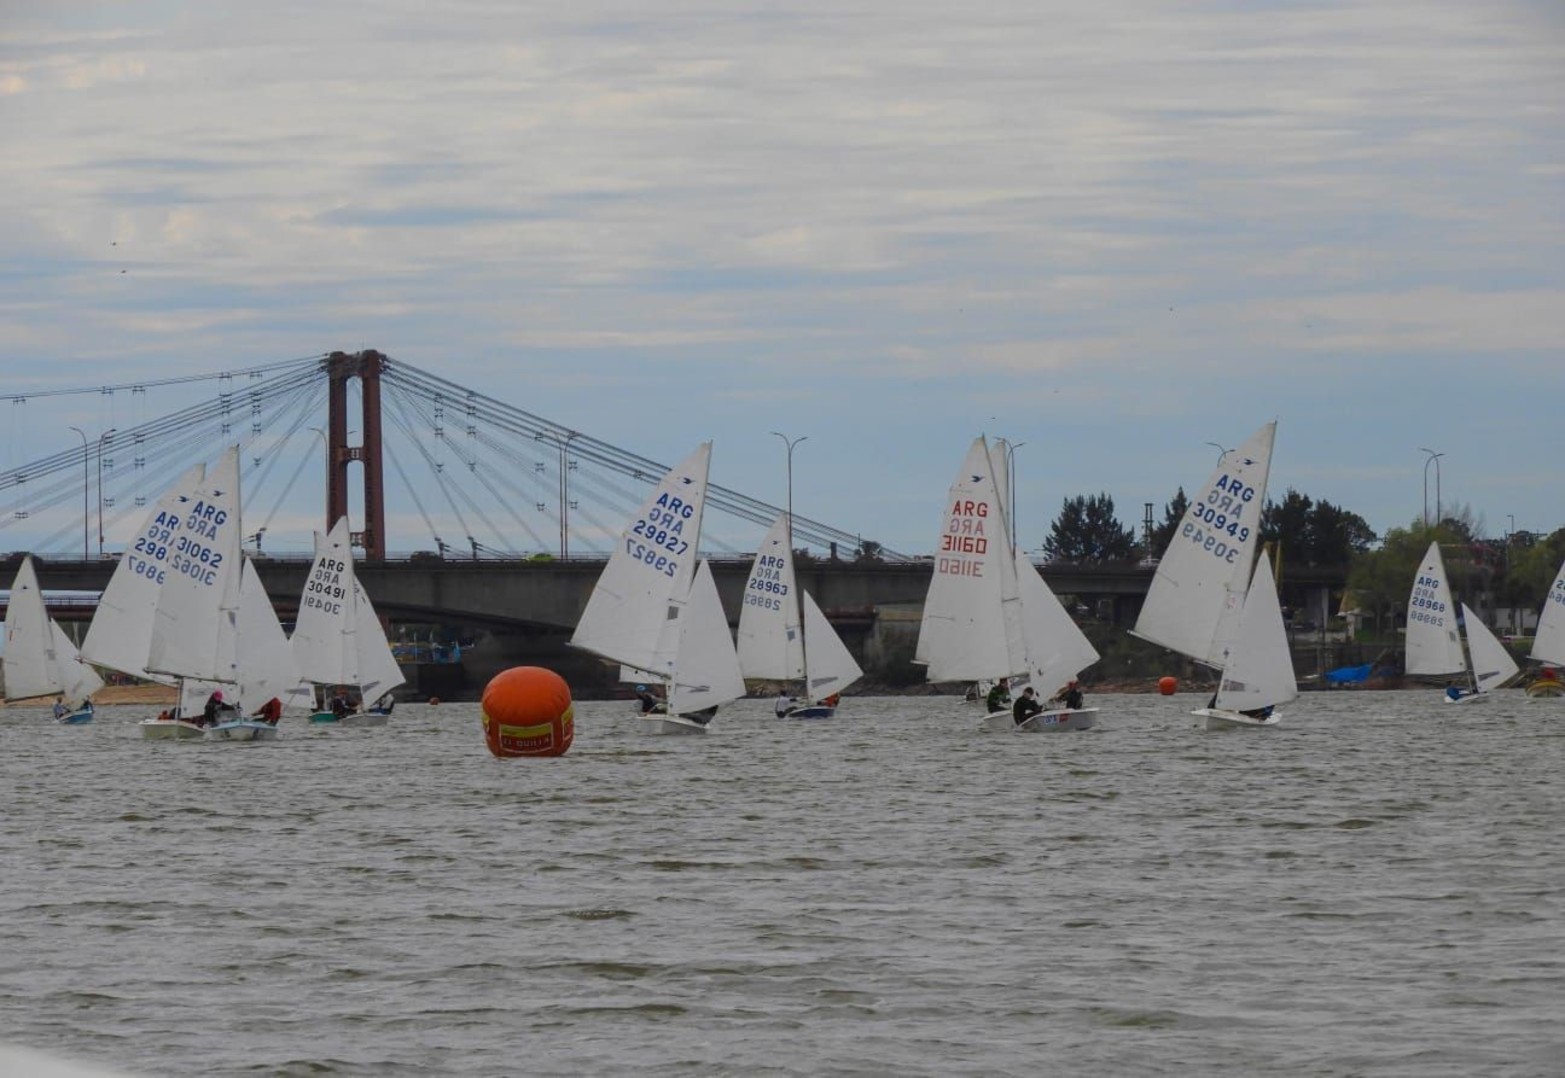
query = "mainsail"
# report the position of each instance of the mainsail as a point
(1197, 594)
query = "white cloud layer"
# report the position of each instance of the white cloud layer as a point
(1115, 231)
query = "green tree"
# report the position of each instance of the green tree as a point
(1314, 533)
(1381, 580)
(1173, 513)
(1087, 531)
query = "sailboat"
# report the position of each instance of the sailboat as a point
(197, 623)
(1548, 644)
(338, 639)
(655, 611)
(122, 624)
(1197, 603)
(40, 659)
(1434, 639)
(1258, 675)
(783, 636)
(988, 614)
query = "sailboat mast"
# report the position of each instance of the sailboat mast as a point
(798, 604)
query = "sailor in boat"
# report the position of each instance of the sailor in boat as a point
(270, 711)
(1026, 706)
(60, 710)
(1070, 696)
(1000, 695)
(649, 703)
(340, 706)
(1259, 713)
(784, 703)
(384, 705)
(831, 701)
(1454, 693)
(216, 710)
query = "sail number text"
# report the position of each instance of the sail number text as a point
(1424, 606)
(1215, 526)
(663, 527)
(964, 534)
(324, 590)
(766, 589)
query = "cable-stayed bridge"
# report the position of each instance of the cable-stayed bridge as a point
(462, 473)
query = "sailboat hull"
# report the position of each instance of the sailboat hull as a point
(1546, 688)
(1045, 722)
(360, 719)
(1466, 698)
(170, 730)
(243, 730)
(1219, 719)
(814, 711)
(75, 718)
(671, 725)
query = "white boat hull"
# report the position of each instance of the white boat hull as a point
(1466, 698)
(1219, 719)
(1055, 721)
(670, 724)
(814, 711)
(170, 730)
(242, 730)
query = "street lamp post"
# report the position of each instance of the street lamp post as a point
(101, 439)
(1010, 484)
(1433, 458)
(86, 487)
(565, 505)
(798, 605)
(1222, 450)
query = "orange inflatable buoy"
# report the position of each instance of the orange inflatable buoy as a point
(1167, 685)
(434, 701)
(527, 711)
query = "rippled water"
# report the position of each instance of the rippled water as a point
(1373, 888)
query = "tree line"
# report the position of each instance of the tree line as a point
(1515, 571)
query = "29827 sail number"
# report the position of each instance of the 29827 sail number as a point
(643, 553)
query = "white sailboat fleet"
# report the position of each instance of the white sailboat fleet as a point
(1548, 644)
(1434, 639)
(783, 636)
(1206, 603)
(655, 609)
(988, 614)
(40, 659)
(338, 642)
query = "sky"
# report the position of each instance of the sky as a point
(1115, 233)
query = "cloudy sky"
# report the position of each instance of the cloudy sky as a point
(1114, 231)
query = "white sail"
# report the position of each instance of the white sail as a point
(267, 667)
(649, 572)
(1259, 671)
(967, 633)
(832, 666)
(29, 659)
(1057, 649)
(193, 633)
(769, 639)
(121, 627)
(378, 669)
(706, 668)
(1434, 645)
(77, 680)
(1197, 594)
(1492, 664)
(324, 640)
(1548, 646)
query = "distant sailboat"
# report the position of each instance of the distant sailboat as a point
(1434, 640)
(40, 659)
(338, 640)
(1210, 602)
(196, 628)
(988, 614)
(783, 636)
(653, 612)
(1548, 645)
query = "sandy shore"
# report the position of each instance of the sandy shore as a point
(118, 694)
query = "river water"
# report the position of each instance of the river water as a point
(1376, 887)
